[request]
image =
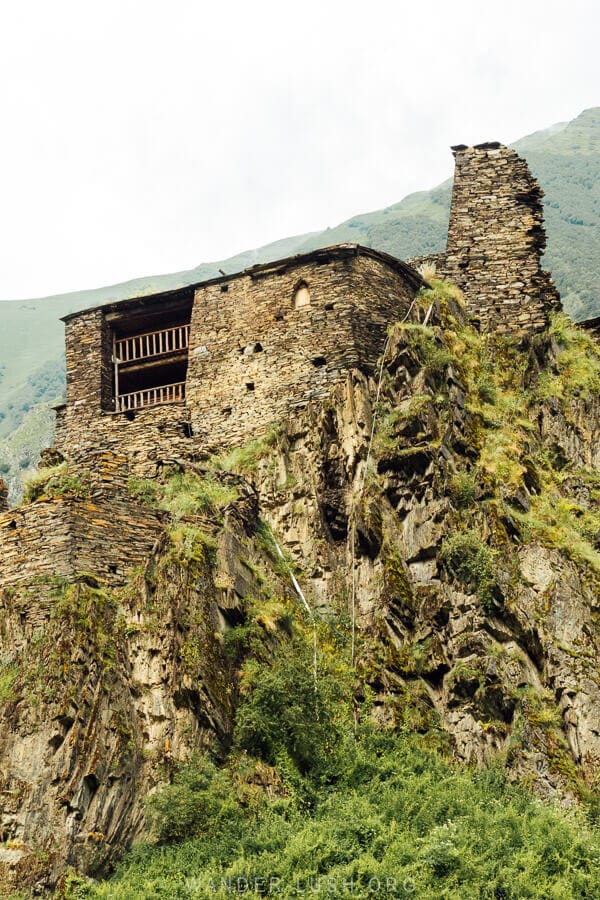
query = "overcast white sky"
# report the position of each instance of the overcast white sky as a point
(147, 137)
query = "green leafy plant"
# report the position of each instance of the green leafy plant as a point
(463, 489)
(199, 801)
(471, 562)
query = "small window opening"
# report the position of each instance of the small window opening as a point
(329, 306)
(187, 429)
(227, 411)
(112, 569)
(279, 317)
(255, 347)
(301, 295)
(249, 385)
(319, 362)
(130, 415)
(224, 288)
(12, 524)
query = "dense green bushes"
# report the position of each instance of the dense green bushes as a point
(289, 719)
(198, 801)
(400, 822)
(386, 817)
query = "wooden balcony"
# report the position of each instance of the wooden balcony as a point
(169, 393)
(152, 344)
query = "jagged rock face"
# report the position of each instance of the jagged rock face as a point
(106, 687)
(511, 673)
(473, 622)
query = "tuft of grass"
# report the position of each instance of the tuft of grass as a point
(190, 546)
(463, 490)
(577, 371)
(146, 490)
(55, 481)
(186, 494)
(8, 676)
(422, 338)
(247, 457)
(562, 523)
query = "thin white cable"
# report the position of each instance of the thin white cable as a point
(298, 590)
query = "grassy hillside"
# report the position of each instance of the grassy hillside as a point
(565, 158)
(567, 164)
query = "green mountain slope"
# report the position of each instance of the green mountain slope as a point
(565, 158)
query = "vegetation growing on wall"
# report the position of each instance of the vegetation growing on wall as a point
(510, 467)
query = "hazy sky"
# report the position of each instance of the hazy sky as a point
(147, 137)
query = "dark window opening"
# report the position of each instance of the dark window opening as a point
(329, 306)
(227, 411)
(112, 569)
(224, 288)
(129, 415)
(249, 385)
(188, 431)
(319, 362)
(255, 347)
(150, 354)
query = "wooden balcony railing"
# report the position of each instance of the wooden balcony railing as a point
(169, 393)
(152, 343)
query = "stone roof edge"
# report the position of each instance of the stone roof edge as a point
(591, 324)
(333, 251)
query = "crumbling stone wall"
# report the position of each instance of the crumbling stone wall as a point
(254, 356)
(496, 239)
(105, 533)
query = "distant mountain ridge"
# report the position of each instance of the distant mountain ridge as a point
(564, 157)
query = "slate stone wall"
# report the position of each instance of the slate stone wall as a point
(496, 239)
(106, 533)
(254, 356)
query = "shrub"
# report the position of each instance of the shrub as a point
(471, 562)
(486, 389)
(55, 481)
(200, 800)
(463, 490)
(286, 714)
(398, 811)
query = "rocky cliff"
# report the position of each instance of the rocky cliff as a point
(446, 508)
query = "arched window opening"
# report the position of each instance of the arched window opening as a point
(301, 295)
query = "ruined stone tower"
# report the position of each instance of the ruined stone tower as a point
(496, 239)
